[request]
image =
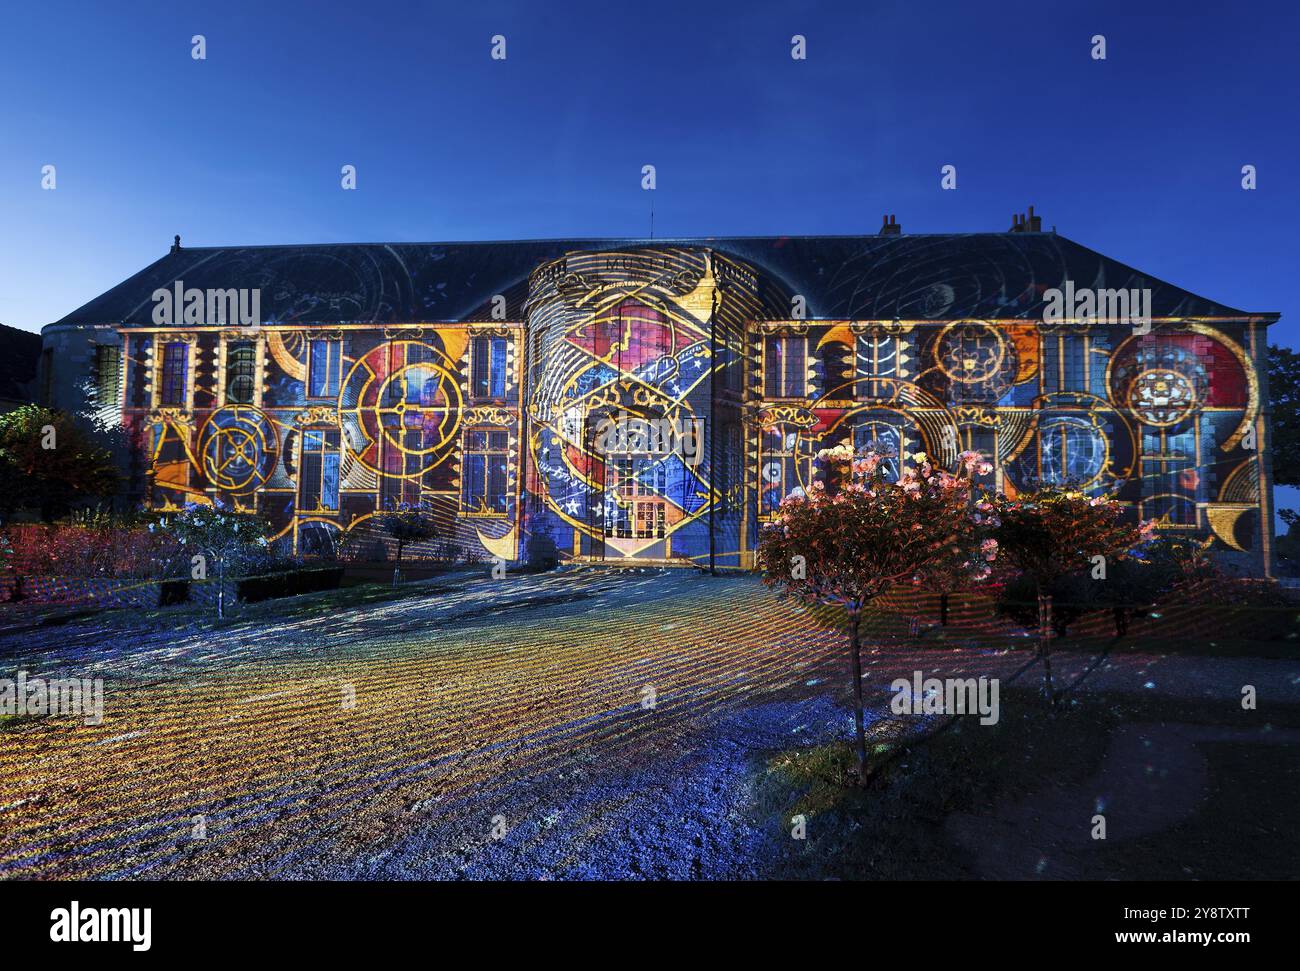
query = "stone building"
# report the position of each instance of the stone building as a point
(323, 384)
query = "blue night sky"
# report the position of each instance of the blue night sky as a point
(1138, 156)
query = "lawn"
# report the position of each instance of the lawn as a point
(1189, 789)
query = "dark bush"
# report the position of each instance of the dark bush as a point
(1071, 596)
(172, 592)
(289, 584)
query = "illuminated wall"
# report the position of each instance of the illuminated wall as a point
(1166, 421)
(491, 423)
(319, 429)
(657, 334)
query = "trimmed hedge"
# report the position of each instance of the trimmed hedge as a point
(290, 584)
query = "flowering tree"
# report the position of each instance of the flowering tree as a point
(851, 542)
(1052, 532)
(950, 570)
(212, 531)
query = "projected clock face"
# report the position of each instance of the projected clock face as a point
(971, 352)
(1072, 450)
(1162, 397)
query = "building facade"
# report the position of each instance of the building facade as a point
(478, 380)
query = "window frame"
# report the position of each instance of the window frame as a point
(163, 344)
(103, 352)
(782, 373)
(465, 498)
(333, 367)
(231, 362)
(326, 449)
(477, 344)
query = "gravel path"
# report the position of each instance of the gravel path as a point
(584, 724)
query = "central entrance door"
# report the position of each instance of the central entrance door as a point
(629, 511)
(639, 510)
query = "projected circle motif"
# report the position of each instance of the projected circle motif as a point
(971, 352)
(407, 409)
(238, 448)
(1162, 397)
(418, 396)
(1072, 450)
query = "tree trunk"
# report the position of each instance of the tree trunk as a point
(1045, 640)
(221, 588)
(943, 610)
(858, 719)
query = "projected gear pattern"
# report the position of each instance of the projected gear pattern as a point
(238, 445)
(401, 388)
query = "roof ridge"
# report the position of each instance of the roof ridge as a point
(990, 275)
(650, 241)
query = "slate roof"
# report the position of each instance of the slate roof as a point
(983, 275)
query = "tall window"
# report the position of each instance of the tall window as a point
(785, 367)
(175, 373)
(731, 362)
(396, 388)
(484, 477)
(324, 367)
(421, 381)
(733, 465)
(400, 484)
(108, 374)
(241, 372)
(877, 356)
(488, 367)
(776, 468)
(318, 473)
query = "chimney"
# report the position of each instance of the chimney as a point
(891, 227)
(176, 244)
(1026, 224)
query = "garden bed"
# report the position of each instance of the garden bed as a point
(112, 593)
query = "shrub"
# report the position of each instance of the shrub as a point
(1051, 533)
(49, 461)
(231, 540)
(99, 551)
